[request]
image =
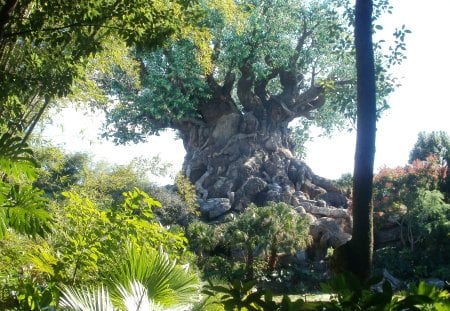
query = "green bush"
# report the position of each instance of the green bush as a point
(408, 198)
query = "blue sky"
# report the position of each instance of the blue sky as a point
(421, 104)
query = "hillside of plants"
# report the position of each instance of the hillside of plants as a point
(89, 236)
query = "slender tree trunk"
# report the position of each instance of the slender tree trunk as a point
(362, 241)
(356, 255)
(272, 257)
(249, 273)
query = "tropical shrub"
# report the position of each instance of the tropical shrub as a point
(408, 197)
(145, 279)
(346, 293)
(249, 245)
(86, 243)
(179, 203)
(438, 145)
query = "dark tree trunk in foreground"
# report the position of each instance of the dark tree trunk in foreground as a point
(356, 256)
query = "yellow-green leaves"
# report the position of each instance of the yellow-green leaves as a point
(139, 203)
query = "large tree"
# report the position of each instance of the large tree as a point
(272, 62)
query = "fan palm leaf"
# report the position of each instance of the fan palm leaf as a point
(86, 299)
(167, 283)
(146, 280)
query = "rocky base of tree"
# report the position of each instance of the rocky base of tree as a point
(243, 159)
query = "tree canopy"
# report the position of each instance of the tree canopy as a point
(278, 59)
(45, 45)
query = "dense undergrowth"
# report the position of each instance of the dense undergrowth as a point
(90, 222)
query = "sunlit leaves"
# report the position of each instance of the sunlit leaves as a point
(21, 206)
(45, 46)
(87, 239)
(144, 280)
(166, 282)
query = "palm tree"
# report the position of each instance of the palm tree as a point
(146, 280)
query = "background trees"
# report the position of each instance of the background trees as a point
(438, 145)
(409, 205)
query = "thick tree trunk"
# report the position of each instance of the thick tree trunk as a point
(245, 159)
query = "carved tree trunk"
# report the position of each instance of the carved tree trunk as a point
(244, 158)
(240, 152)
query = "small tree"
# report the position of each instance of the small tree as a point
(275, 228)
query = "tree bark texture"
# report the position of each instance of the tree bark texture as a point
(243, 154)
(362, 236)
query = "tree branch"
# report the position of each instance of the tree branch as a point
(221, 102)
(244, 89)
(261, 85)
(228, 82)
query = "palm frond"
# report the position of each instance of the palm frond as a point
(166, 282)
(136, 298)
(16, 158)
(86, 299)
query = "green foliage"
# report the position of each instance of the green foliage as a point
(402, 184)
(58, 170)
(347, 293)
(427, 221)
(88, 240)
(101, 182)
(345, 182)
(201, 237)
(167, 282)
(266, 43)
(22, 207)
(275, 227)
(187, 191)
(145, 279)
(435, 144)
(238, 245)
(87, 243)
(299, 135)
(408, 197)
(174, 210)
(350, 294)
(237, 295)
(45, 46)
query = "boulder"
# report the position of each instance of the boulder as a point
(215, 207)
(324, 211)
(253, 186)
(326, 232)
(335, 199)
